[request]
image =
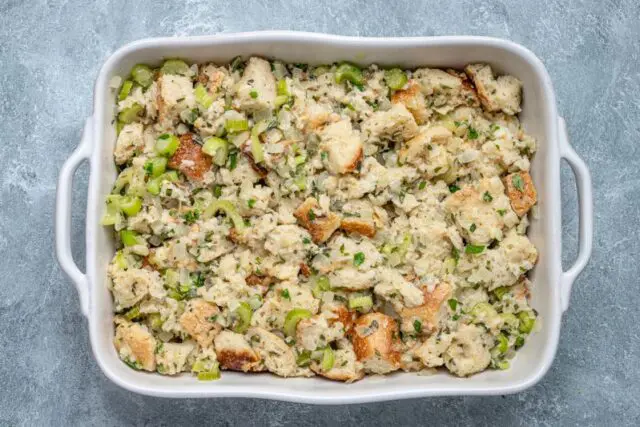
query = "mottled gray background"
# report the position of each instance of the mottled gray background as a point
(50, 54)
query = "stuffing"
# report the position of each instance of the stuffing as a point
(129, 140)
(199, 320)
(132, 285)
(395, 124)
(521, 192)
(482, 211)
(256, 91)
(319, 220)
(316, 332)
(175, 94)
(345, 366)
(319, 223)
(342, 146)
(426, 316)
(276, 355)
(135, 345)
(413, 100)
(468, 352)
(501, 94)
(234, 352)
(189, 159)
(375, 342)
(172, 357)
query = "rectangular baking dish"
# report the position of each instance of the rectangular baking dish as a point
(551, 286)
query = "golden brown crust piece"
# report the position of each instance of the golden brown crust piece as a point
(375, 342)
(358, 225)
(140, 341)
(427, 313)
(198, 321)
(189, 159)
(521, 192)
(320, 227)
(344, 316)
(234, 353)
(413, 100)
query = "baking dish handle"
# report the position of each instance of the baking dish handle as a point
(585, 209)
(63, 216)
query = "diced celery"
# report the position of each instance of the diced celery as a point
(125, 90)
(527, 321)
(133, 313)
(129, 238)
(304, 358)
(395, 78)
(142, 74)
(349, 72)
(175, 66)
(228, 208)
(243, 316)
(503, 343)
(292, 319)
(282, 89)
(130, 205)
(361, 302)
(167, 144)
(236, 126)
(202, 96)
(217, 148)
(156, 166)
(328, 359)
(131, 114)
(322, 285)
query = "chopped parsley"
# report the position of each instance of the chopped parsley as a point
(198, 281)
(233, 160)
(422, 185)
(518, 183)
(472, 133)
(455, 253)
(306, 241)
(191, 216)
(285, 294)
(251, 203)
(501, 212)
(417, 326)
(487, 197)
(217, 190)
(453, 188)
(253, 94)
(311, 215)
(148, 167)
(474, 249)
(324, 155)
(358, 259)
(453, 304)
(472, 228)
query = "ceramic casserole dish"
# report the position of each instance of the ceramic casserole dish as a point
(551, 285)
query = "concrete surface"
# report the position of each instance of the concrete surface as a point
(50, 53)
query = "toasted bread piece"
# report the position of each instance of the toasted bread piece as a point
(501, 94)
(277, 356)
(135, 345)
(189, 159)
(413, 99)
(345, 368)
(198, 321)
(256, 90)
(343, 147)
(234, 352)
(320, 227)
(375, 342)
(427, 313)
(359, 225)
(521, 192)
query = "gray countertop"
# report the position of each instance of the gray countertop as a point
(50, 54)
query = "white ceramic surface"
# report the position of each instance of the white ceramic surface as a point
(551, 286)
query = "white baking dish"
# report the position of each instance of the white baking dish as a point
(551, 285)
